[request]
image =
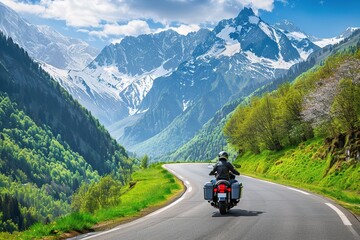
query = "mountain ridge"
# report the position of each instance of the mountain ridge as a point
(49, 143)
(200, 148)
(211, 69)
(44, 43)
(143, 85)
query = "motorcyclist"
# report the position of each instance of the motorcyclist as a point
(224, 170)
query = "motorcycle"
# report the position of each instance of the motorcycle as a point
(223, 194)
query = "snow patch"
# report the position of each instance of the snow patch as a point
(296, 35)
(225, 34)
(254, 20)
(214, 51)
(279, 64)
(186, 104)
(231, 50)
(328, 41)
(232, 46)
(265, 28)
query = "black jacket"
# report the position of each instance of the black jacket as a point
(222, 170)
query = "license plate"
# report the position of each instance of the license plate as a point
(221, 195)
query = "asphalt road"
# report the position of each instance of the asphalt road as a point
(266, 211)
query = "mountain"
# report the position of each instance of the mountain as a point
(332, 41)
(115, 83)
(46, 102)
(210, 138)
(300, 40)
(156, 91)
(237, 56)
(45, 44)
(49, 144)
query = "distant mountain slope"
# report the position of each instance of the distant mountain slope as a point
(210, 139)
(237, 57)
(45, 44)
(337, 39)
(46, 102)
(323, 103)
(300, 40)
(113, 86)
(49, 144)
(38, 169)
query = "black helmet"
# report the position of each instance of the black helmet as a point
(223, 155)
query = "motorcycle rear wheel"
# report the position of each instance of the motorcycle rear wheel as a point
(222, 207)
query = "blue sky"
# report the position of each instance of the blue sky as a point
(100, 22)
(324, 19)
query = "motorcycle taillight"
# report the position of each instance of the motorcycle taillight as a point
(222, 188)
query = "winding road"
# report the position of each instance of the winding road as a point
(266, 211)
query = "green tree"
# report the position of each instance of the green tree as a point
(103, 194)
(145, 162)
(264, 122)
(345, 110)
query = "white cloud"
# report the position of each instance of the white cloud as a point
(106, 14)
(24, 7)
(132, 28)
(185, 29)
(267, 5)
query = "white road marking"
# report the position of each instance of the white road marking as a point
(167, 207)
(260, 180)
(97, 235)
(294, 189)
(341, 214)
(187, 182)
(300, 191)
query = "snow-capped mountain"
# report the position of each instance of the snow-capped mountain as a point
(300, 40)
(45, 44)
(332, 41)
(155, 91)
(238, 56)
(113, 86)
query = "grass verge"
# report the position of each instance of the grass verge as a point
(301, 167)
(151, 189)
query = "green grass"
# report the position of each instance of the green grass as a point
(153, 188)
(302, 167)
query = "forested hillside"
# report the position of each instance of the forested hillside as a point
(47, 103)
(49, 144)
(323, 102)
(308, 132)
(38, 169)
(208, 141)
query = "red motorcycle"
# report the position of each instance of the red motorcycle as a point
(223, 194)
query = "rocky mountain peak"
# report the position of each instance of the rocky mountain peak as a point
(44, 43)
(288, 26)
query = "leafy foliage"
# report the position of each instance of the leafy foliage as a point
(308, 166)
(318, 102)
(49, 144)
(210, 138)
(149, 187)
(47, 103)
(322, 103)
(100, 195)
(345, 109)
(145, 162)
